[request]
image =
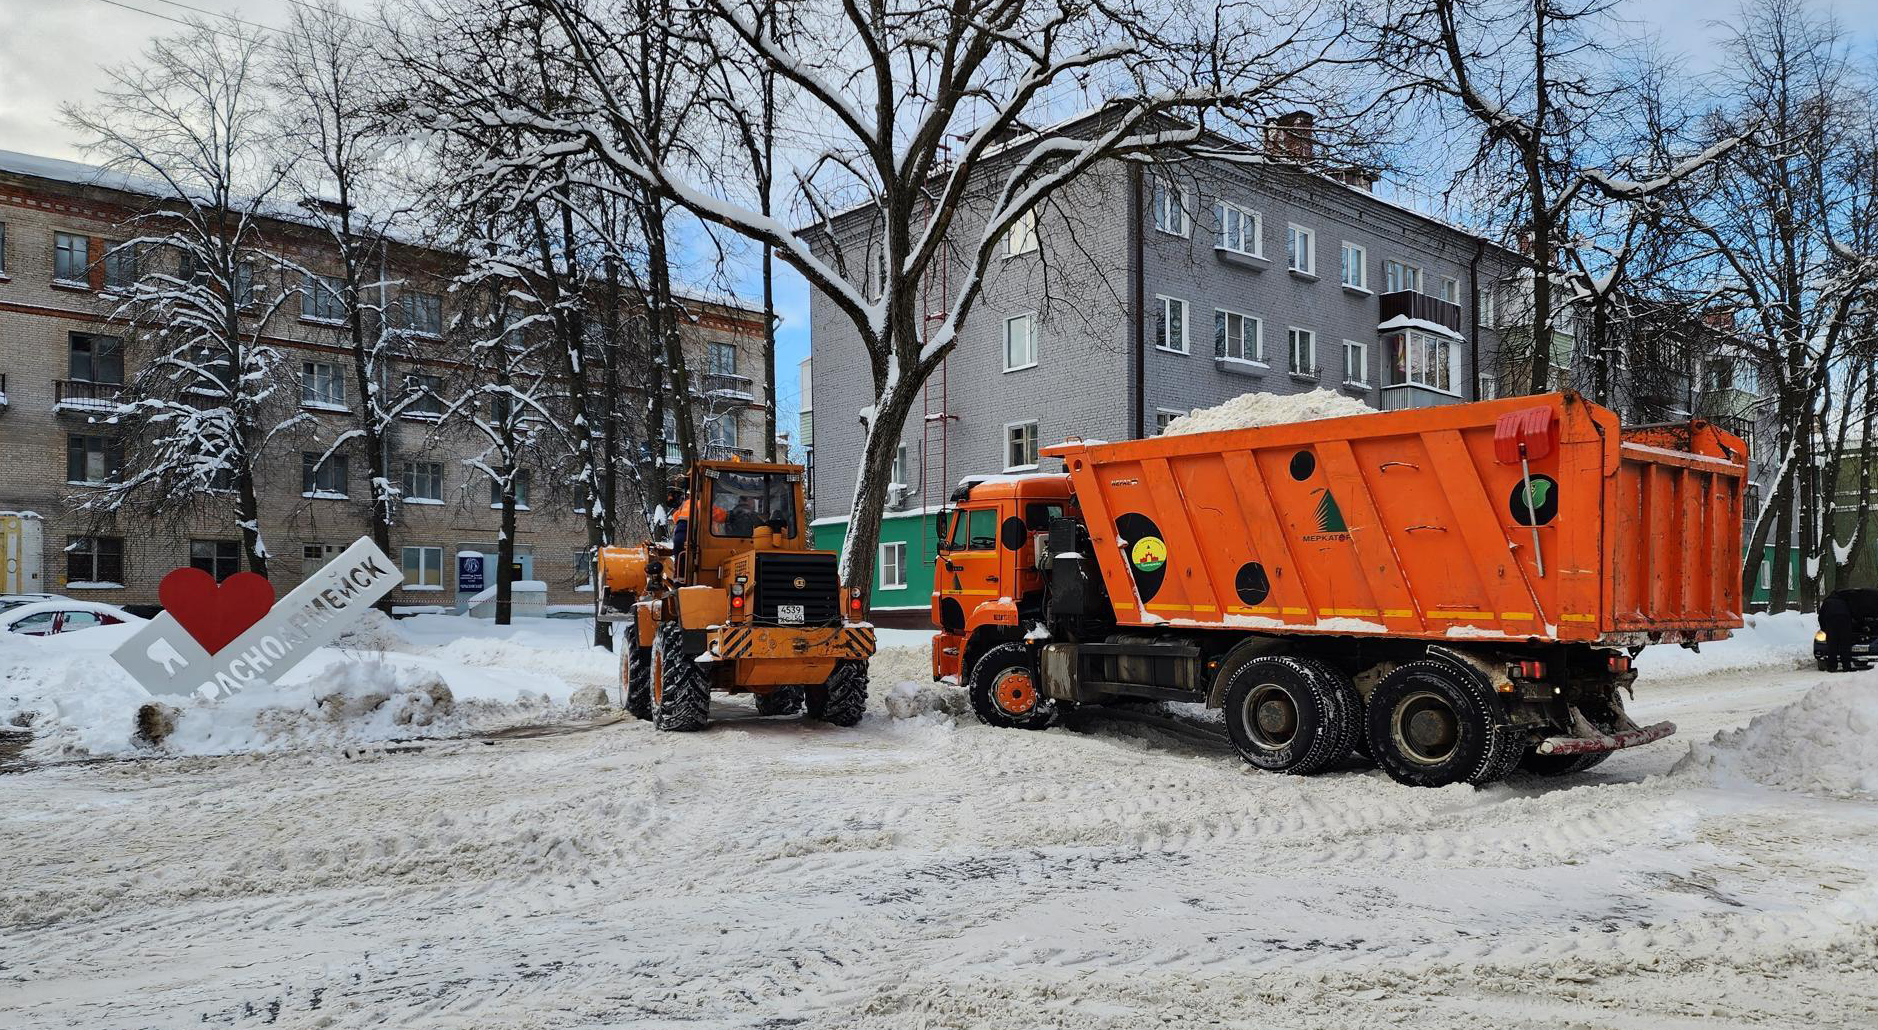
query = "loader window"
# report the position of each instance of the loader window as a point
(742, 501)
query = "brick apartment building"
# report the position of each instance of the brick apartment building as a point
(63, 363)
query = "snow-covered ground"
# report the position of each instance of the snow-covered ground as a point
(921, 870)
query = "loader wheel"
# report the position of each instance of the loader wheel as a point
(1432, 723)
(1290, 715)
(1004, 690)
(842, 700)
(635, 673)
(780, 701)
(684, 691)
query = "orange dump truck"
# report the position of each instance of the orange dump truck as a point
(1453, 591)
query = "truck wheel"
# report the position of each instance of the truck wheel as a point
(1560, 765)
(780, 701)
(843, 699)
(635, 673)
(1290, 715)
(1432, 723)
(1003, 689)
(684, 690)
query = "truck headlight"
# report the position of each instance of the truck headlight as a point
(1820, 637)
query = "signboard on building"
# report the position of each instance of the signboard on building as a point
(469, 572)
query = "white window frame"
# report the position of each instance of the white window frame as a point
(1222, 337)
(1162, 416)
(1292, 334)
(1170, 208)
(1293, 233)
(1165, 319)
(1362, 362)
(409, 475)
(79, 251)
(1361, 265)
(316, 286)
(1417, 362)
(1449, 284)
(1029, 317)
(333, 397)
(1764, 579)
(434, 566)
(1225, 211)
(893, 557)
(1484, 309)
(1033, 447)
(1021, 237)
(897, 475)
(524, 479)
(1410, 272)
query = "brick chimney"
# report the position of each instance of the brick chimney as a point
(1722, 319)
(1289, 136)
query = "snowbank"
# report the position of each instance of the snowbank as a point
(1826, 742)
(1251, 410)
(1782, 641)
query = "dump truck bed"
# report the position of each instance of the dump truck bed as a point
(1421, 524)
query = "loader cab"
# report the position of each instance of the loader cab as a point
(738, 509)
(987, 571)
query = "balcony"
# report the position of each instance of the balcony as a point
(85, 395)
(1419, 307)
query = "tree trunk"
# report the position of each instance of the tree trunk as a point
(505, 552)
(249, 509)
(870, 493)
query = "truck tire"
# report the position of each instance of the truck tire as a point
(635, 672)
(780, 701)
(1003, 689)
(842, 700)
(1290, 715)
(684, 690)
(1432, 723)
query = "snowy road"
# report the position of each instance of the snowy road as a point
(1121, 871)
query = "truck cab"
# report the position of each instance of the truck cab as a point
(989, 577)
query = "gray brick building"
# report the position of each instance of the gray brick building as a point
(1147, 291)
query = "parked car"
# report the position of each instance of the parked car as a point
(8, 602)
(61, 615)
(1853, 614)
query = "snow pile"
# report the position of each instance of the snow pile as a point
(910, 700)
(374, 632)
(1251, 410)
(1784, 640)
(1825, 742)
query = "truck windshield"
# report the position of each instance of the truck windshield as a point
(742, 501)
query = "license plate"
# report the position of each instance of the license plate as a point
(789, 614)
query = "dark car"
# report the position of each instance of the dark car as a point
(1853, 613)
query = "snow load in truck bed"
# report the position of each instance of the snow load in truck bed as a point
(1252, 410)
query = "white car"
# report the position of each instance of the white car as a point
(61, 615)
(8, 602)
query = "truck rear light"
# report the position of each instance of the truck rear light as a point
(736, 600)
(1527, 670)
(1619, 663)
(854, 603)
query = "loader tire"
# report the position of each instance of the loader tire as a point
(1560, 765)
(1004, 691)
(1432, 723)
(684, 703)
(635, 672)
(1290, 715)
(842, 700)
(780, 701)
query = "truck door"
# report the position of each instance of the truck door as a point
(971, 563)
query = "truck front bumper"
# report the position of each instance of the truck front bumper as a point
(853, 641)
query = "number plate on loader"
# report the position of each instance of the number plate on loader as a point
(789, 614)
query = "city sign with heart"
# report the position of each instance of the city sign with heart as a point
(214, 639)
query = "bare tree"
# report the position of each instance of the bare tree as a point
(192, 120)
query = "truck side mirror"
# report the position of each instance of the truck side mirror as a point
(941, 519)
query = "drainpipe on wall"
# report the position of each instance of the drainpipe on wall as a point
(1473, 314)
(1136, 293)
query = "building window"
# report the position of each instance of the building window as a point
(322, 480)
(722, 359)
(95, 359)
(1486, 388)
(880, 270)
(423, 481)
(1021, 238)
(94, 559)
(1302, 347)
(1355, 362)
(322, 298)
(1421, 359)
(92, 459)
(893, 566)
(1162, 416)
(1020, 342)
(1355, 267)
(1170, 325)
(71, 258)
(1301, 250)
(423, 568)
(426, 395)
(1398, 277)
(218, 558)
(1020, 446)
(898, 475)
(1237, 337)
(720, 432)
(120, 267)
(1450, 289)
(521, 490)
(322, 385)
(1170, 208)
(419, 313)
(1486, 312)
(1241, 231)
(1764, 579)
(244, 284)
(3, 249)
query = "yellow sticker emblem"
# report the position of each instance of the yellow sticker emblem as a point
(1149, 554)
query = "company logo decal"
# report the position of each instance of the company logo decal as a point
(1329, 516)
(1146, 550)
(1543, 501)
(1148, 554)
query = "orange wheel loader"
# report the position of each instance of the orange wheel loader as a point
(1454, 591)
(736, 603)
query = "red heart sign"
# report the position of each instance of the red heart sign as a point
(215, 613)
